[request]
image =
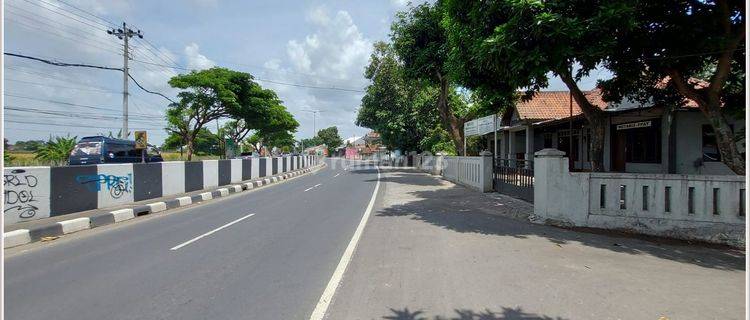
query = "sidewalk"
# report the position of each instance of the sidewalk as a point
(435, 250)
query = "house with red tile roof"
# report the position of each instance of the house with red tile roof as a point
(640, 138)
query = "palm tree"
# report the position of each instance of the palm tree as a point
(56, 151)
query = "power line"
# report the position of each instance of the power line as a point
(66, 125)
(57, 35)
(34, 17)
(87, 12)
(68, 80)
(62, 102)
(267, 80)
(60, 64)
(53, 114)
(142, 117)
(63, 87)
(67, 16)
(149, 91)
(63, 64)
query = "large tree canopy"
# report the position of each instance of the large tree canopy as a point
(420, 42)
(389, 103)
(693, 49)
(500, 46)
(218, 93)
(330, 137)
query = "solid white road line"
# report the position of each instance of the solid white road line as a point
(210, 232)
(313, 187)
(325, 299)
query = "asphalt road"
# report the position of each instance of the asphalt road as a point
(270, 256)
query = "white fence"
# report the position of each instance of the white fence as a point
(473, 172)
(710, 208)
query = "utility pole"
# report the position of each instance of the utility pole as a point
(124, 34)
(315, 113)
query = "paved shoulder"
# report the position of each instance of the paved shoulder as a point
(434, 250)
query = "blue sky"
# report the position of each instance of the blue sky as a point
(310, 43)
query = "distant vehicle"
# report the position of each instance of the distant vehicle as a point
(247, 155)
(101, 149)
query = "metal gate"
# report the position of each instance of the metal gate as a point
(514, 178)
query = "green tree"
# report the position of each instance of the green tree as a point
(501, 45)
(218, 93)
(330, 137)
(57, 150)
(421, 42)
(30, 145)
(6, 156)
(699, 48)
(206, 142)
(311, 142)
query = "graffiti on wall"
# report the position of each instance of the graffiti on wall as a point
(19, 189)
(115, 185)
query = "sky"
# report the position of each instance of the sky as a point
(312, 53)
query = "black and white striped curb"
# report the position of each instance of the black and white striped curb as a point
(24, 236)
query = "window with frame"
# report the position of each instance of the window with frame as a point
(643, 145)
(710, 148)
(548, 140)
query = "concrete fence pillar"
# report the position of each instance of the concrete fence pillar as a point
(485, 178)
(559, 196)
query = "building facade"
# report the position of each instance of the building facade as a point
(638, 138)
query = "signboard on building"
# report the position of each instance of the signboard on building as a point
(633, 125)
(141, 140)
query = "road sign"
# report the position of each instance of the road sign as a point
(141, 140)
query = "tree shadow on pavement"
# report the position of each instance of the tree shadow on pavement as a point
(467, 314)
(459, 209)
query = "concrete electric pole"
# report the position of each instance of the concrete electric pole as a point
(315, 113)
(124, 34)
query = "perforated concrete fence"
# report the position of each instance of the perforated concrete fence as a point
(39, 192)
(705, 207)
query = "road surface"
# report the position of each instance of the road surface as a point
(430, 250)
(266, 254)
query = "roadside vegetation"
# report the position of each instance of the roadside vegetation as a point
(454, 61)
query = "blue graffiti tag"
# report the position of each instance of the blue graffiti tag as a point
(116, 185)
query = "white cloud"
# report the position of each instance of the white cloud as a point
(195, 60)
(400, 3)
(318, 16)
(334, 54)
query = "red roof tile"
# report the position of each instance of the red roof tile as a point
(547, 105)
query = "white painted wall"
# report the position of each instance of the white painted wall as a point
(473, 172)
(254, 168)
(210, 173)
(556, 201)
(116, 185)
(269, 167)
(172, 177)
(26, 194)
(236, 170)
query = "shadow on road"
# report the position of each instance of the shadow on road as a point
(466, 314)
(459, 209)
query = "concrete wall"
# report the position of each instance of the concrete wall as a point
(690, 148)
(473, 172)
(40, 192)
(704, 207)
